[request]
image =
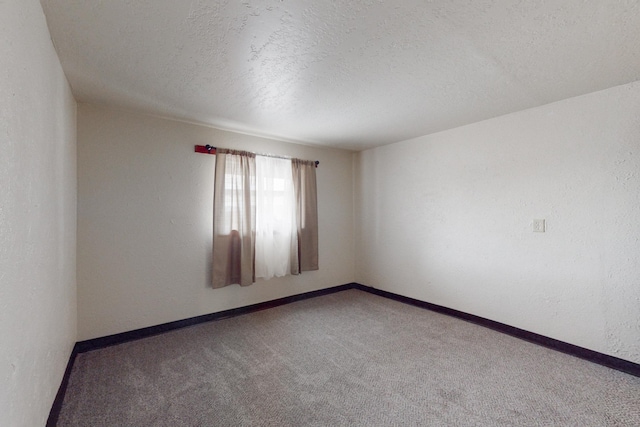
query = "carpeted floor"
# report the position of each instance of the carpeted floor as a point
(349, 358)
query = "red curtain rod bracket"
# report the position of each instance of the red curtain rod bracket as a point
(206, 149)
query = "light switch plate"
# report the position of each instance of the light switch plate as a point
(539, 225)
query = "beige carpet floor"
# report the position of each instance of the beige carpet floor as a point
(345, 359)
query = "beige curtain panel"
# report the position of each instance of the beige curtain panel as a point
(304, 185)
(234, 221)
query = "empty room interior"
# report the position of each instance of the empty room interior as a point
(477, 203)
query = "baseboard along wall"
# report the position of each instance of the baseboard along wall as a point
(564, 347)
(102, 342)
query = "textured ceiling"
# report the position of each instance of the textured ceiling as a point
(345, 73)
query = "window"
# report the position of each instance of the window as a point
(265, 217)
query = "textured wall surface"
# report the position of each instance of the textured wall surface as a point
(447, 218)
(37, 217)
(348, 73)
(145, 213)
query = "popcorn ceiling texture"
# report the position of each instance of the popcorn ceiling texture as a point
(351, 74)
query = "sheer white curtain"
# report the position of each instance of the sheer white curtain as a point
(276, 231)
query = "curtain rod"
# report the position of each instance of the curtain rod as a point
(209, 149)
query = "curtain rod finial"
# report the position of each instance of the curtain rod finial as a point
(317, 162)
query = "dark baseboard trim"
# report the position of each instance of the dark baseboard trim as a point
(54, 413)
(97, 343)
(102, 342)
(573, 350)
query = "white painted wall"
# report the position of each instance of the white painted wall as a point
(37, 217)
(447, 219)
(145, 202)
